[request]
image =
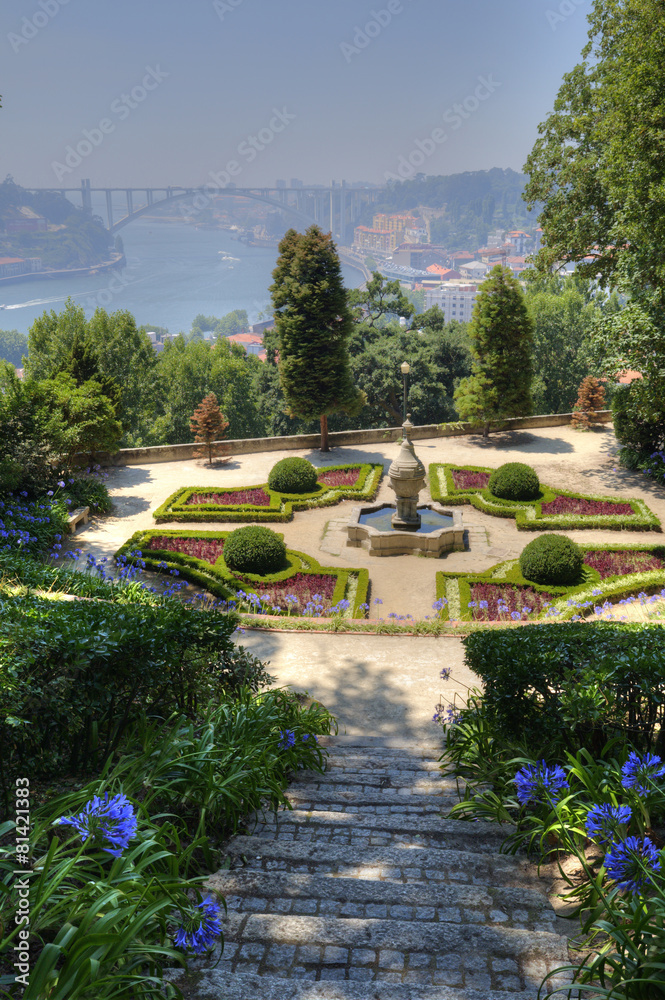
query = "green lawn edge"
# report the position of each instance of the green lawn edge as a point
(282, 505)
(221, 583)
(456, 587)
(527, 513)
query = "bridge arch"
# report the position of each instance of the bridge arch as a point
(208, 192)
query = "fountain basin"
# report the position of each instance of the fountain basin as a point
(441, 530)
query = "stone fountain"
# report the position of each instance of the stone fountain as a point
(405, 526)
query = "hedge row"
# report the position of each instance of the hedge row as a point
(527, 513)
(218, 579)
(456, 587)
(282, 505)
(525, 671)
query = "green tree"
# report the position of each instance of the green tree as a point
(314, 324)
(599, 171)
(501, 333)
(76, 418)
(378, 301)
(233, 322)
(13, 345)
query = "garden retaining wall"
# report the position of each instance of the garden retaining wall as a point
(300, 442)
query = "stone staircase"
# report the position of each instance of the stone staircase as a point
(365, 892)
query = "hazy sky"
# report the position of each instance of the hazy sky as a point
(169, 91)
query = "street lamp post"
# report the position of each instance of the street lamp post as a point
(405, 368)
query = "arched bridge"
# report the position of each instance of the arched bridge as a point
(336, 209)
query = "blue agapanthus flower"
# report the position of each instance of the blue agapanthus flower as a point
(198, 933)
(540, 783)
(628, 863)
(111, 818)
(640, 773)
(602, 822)
(287, 739)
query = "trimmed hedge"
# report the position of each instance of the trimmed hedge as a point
(282, 505)
(456, 587)
(293, 475)
(221, 582)
(254, 550)
(552, 559)
(514, 481)
(525, 671)
(528, 514)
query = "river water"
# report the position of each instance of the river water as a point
(173, 272)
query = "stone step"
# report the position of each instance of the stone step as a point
(420, 782)
(331, 826)
(390, 950)
(221, 984)
(396, 864)
(369, 799)
(373, 761)
(289, 892)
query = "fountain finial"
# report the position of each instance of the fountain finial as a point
(407, 478)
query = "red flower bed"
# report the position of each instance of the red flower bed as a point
(575, 505)
(208, 549)
(257, 498)
(515, 597)
(339, 477)
(303, 586)
(465, 480)
(621, 563)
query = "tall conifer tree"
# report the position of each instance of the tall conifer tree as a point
(501, 333)
(314, 324)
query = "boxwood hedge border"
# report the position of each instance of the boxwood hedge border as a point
(528, 513)
(282, 505)
(456, 587)
(218, 580)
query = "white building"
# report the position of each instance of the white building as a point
(474, 270)
(455, 300)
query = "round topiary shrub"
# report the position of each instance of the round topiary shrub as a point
(552, 559)
(293, 475)
(254, 549)
(514, 481)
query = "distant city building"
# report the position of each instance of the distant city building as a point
(250, 341)
(455, 300)
(295, 183)
(280, 184)
(365, 238)
(444, 273)
(396, 223)
(420, 255)
(474, 269)
(24, 220)
(259, 328)
(518, 239)
(10, 267)
(459, 257)
(516, 265)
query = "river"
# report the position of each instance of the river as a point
(173, 272)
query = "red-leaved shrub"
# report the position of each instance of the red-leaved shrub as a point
(590, 508)
(207, 549)
(302, 586)
(466, 480)
(514, 596)
(621, 563)
(255, 498)
(339, 477)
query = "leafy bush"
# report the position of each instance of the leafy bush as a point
(89, 491)
(514, 481)
(254, 549)
(573, 684)
(293, 475)
(74, 675)
(637, 428)
(552, 559)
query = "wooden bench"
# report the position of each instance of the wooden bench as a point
(78, 516)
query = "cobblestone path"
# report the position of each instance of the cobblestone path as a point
(364, 891)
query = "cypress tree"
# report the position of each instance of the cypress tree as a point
(314, 324)
(501, 333)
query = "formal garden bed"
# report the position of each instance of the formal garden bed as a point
(502, 593)
(303, 587)
(550, 508)
(263, 503)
